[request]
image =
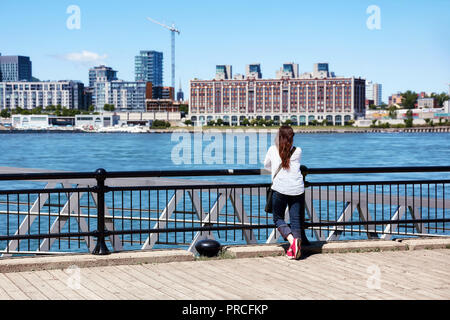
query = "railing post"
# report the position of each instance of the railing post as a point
(101, 248)
(305, 241)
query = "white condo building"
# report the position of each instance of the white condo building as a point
(30, 95)
(374, 92)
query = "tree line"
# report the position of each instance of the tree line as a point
(58, 110)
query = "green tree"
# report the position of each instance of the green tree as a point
(109, 107)
(211, 123)
(188, 122)
(393, 112)
(245, 122)
(160, 124)
(440, 98)
(409, 99)
(91, 108)
(37, 110)
(219, 122)
(350, 122)
(17, 110)
(409, 119)
(5, 114)
(184, 108)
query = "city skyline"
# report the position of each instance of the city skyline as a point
(405, 53)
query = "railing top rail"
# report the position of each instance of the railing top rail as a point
(130, 174)
(306, 170)
(199, 173)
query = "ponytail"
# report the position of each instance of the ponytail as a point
(285, 142)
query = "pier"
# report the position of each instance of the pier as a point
(366, 270)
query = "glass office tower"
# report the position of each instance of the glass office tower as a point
(149, 67)
(15, 68)
(101, 73)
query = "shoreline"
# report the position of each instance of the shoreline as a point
(441, 129)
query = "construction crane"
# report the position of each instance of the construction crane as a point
(172, 30)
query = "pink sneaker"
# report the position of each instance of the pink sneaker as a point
(296, 249)
(290, 254)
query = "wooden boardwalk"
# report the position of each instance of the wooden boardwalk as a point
(421, 274)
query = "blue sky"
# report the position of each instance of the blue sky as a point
(410, 51)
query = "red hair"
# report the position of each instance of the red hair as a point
(285, 142)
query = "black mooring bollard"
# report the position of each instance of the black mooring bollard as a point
(208, 248)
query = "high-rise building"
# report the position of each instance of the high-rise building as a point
(224, 72)
(30, 95)
(15, 68)
(374, 92)
(253, 71)
(289, 70)
(321, 67)
(149, 67)
(320, 71)
(336, 100)
(124, 95)
(166, 93)
(101, 73)
(180, 95)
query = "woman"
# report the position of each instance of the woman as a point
(283, 160)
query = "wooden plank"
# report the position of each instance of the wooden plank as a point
(4, 295)
(156, 288)
(111, 281)
(260, 272)
(221, 269)
(141, 289)
(14, 291)
(316, 277)
(42, 286)
(59, 286)
(26, 286)
(97, 285)
(169, 283)
(395, 279)
(83, 291)
(203, 284)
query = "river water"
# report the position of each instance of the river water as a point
(116, 152)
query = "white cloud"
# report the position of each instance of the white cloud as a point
(83, 57)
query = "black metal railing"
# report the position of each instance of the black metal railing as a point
(104, 211)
